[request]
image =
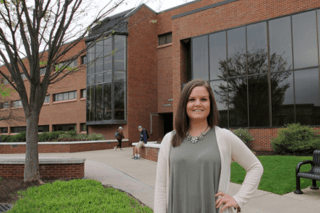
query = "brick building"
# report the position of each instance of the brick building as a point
(261, 58)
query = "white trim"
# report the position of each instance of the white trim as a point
(58, 143)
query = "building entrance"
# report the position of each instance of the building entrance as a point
(167, 122)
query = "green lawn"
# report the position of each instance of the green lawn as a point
(279, 173)
(76, 196)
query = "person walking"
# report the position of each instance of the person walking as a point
(193, 168)
(119, 136)
(143, 140)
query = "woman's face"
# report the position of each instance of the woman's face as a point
(198, 106)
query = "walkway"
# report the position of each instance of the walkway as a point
(138, 178)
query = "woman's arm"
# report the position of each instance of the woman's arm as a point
(160, 195)
(244, 156)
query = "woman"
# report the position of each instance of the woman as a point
(119, 138)
(193, 171)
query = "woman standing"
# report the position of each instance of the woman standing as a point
(193, 171)
(120, 136)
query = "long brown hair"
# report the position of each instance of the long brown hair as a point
(182, 119)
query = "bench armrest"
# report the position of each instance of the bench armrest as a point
(302, 163)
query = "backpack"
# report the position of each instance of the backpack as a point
(147, 134)
(116, 134)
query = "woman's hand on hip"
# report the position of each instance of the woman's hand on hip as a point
(227, 200)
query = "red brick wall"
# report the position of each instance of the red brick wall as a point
(108, 130)
(149, 153)
(59, 148)
(142, 72)
(47, 171)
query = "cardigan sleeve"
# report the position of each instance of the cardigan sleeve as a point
(160, 196)
(254, 170)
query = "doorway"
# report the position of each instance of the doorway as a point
(167, 122)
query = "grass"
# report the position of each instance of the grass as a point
(75, 196)
(279, 173)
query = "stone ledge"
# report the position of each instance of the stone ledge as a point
(46, 160)
(58, 143)
(151, 144)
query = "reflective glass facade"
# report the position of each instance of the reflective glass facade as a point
(106, 81)
(264, 74)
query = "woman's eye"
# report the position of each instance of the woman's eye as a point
(191, 99)
(204, 99)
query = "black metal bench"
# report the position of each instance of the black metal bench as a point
(313, 174)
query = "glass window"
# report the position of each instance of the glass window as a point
(23, 76)
(304, 29)
(90, 80)
(237, 93)
(71, 95)
(3, 130)
(17, 103)
(107, 101)
(236, 51)
(83, 127)
(99, 103)
(107, 76)
(18, 129)
(257, 49)
(99, 56)
(64, 127)
(258, 101)
(91, 59)
(119, 76)
(4, 105)
(307, 96)
(280, 44)
(108, 53)
(165, 39)
(220, 92)
(84, 59)
(83, 93)
(43, 128)
(47, 99)
(119, 96)
(90, 101)
(200, 63)
(218, 55)
(318, 15)
(43, 70)
(99, 78)
(119, 56)
(65, 96)
(282, 98)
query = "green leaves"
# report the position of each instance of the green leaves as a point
(5, 91)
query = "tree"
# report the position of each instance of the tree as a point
(37, 35)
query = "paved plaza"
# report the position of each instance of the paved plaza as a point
(138, 178)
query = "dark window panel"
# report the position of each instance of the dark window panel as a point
(307, 96)
(119, 56)
(107, 76)
(169, 38)
(99, 56)
(282, 98)
(4, 130)
(280, 44)
(47, 99)
(258, 101)
(64, 127)
(107, 101)
(84, 59)
(238, 110)
(18, 129)
(236, 52)
(90, 80)
(318, 15)
(108, 53)
(220, 92)
(98, 103)
(119, 114)
(90, 102)
(305, 40)
(119, 91)
(119, 76)
(99, 78)
(83, 127)
(162, 40)
(218, 55)
(43, 128)
(200, 66)
(83, 93)
(91, 60)
(257, 48)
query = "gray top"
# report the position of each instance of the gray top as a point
(194, 175)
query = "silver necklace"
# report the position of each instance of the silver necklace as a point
(195, 139)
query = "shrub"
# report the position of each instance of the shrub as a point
(95, 136)
(73, 133)
(21, 137)
(43, 137)
(244, 135)
(65, 136)
(54, 135)
(81, 136)
(5, 138)
(295, 139)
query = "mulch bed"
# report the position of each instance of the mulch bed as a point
(9, 189)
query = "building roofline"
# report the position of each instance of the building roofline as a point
(178, 6)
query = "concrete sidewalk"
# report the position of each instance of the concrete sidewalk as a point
(138, 178)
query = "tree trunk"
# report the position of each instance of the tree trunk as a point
(31, 167)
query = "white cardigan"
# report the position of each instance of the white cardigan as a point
(230, 148)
